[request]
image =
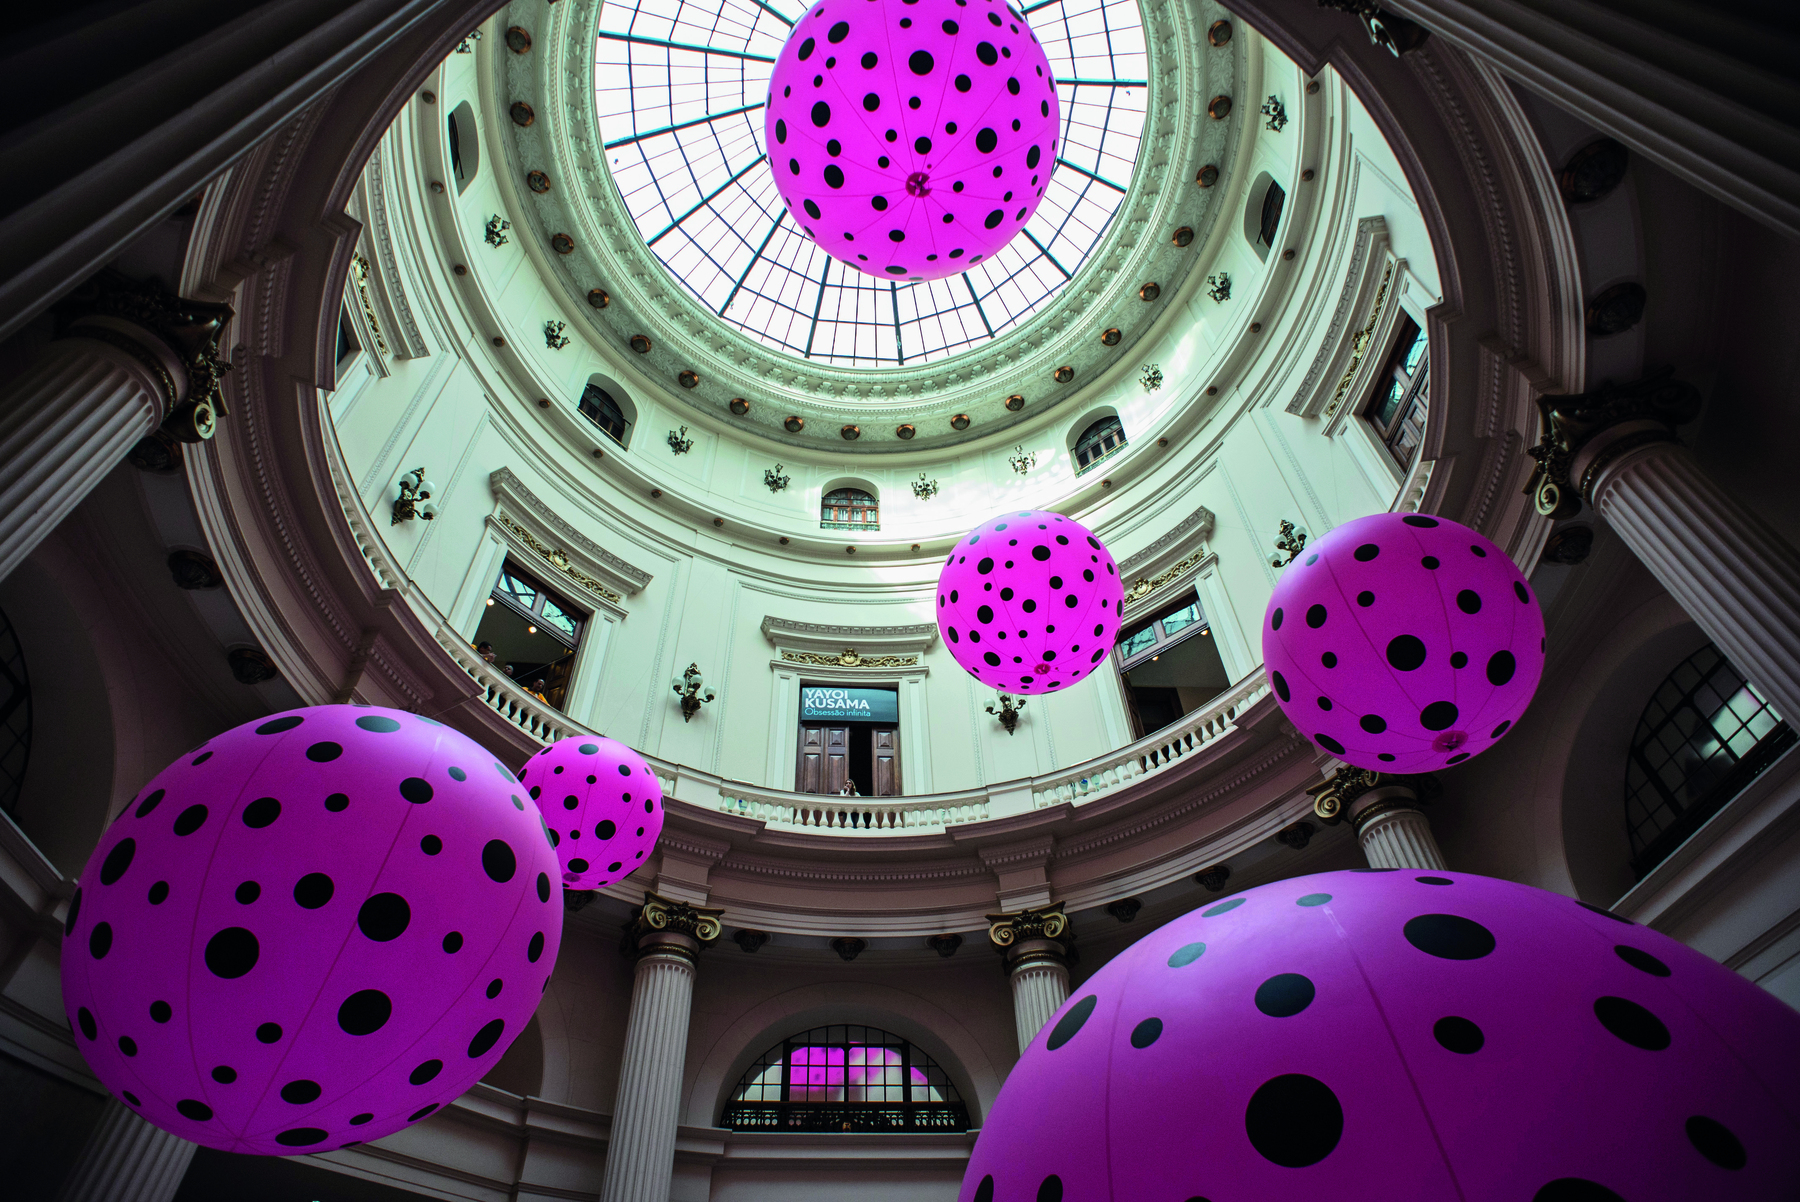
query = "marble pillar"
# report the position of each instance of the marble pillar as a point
(127, 1160)
(1393, 831)
(1036, 949)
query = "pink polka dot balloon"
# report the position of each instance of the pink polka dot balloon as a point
(912, 138)
(603, 805)
(1403, 643)
(1029, 602)
(313, 930)
(1397, 1036)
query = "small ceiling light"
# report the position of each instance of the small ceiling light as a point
(1064, 374)
(1183, 236)
(1150, 291)
(738, 406)
(537, 181)
(904, 432)
(490, 600)
(517, 40)
(1209, 175)
(784, 540)
(640, 344)
(793, 423)
(960, 422)
(522, 114)
(599, 298)
(530, 629)
(1218, 109)
(1111, 337)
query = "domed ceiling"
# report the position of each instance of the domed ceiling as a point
(638, 128)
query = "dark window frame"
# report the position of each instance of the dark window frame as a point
(850, 502)
(535, 612)
(1399, 404)
(1097, 443)
(1163, 640)
(787, 1113)
(597, 405)
(1274, 199)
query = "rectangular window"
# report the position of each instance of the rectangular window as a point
(849, 741)
(531, 634)
(1169, 665)
(1399, 404)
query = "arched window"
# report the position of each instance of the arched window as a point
(845, 1079)
(1097, 442)
(1706, 734)
(465, 146)
(598, 406)
(1270, 219)
(849, 509)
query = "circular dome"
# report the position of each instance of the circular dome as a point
(916, 138)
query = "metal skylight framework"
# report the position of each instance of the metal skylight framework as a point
(680, 85)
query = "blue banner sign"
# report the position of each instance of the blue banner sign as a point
(824, 704)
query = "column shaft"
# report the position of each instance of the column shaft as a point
(1734, 575)
(1400, 838)
(640, 1157)
(127, 1160)
(1039, 990)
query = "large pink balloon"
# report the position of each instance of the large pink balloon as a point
(1029, 602)
(603, 805)
(1403, 642)
(1402, 1037)
(311, 931)
(911, 139)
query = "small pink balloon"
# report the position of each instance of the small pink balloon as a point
(1402, 1036)
(912, 139)
(311, 931)
(603, 805)
(1403, 642)
(1029, 602)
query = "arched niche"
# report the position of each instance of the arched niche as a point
(462, 146)
(1091, 428)
(1263, 206)
(68, 778)
(521, 1069)
(605, 403)
(841, 506)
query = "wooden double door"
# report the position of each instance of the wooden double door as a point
(831, 756)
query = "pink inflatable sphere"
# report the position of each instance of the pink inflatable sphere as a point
(311, 931)
(603, 805)
(1402, 1036)
(911, 139)
(1029, 602)
(1403, 642)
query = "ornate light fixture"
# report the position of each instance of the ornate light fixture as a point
(496, 230)
(924, 489)
(467, 45)
(1152, 378)
(679, 442)
(773, 478)
(1219, 287)
(1008, 713)
(690, 686)
(1022, 460)
(554, 338)
(1291, 541)
(1274, 110)
(414, 498)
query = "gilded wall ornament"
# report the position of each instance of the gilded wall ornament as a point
(559, 559)
(1049, 922)
(848, 658)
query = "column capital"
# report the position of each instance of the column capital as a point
(1362, 795)
(1587, 431)
(1033, 936)
(672, 929)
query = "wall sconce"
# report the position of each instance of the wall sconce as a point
(1008, 713)
(414, 498)
(690, 686)
(773, 478)
(554, 338)
(679, 442)
(924, 489)
(496, 230)
(1152, 377)
(1022, 460)
(1219, 287)
(467, 45)
(1276, 113)
(1291, 541)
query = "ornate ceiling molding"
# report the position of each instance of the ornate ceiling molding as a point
(575, 548)
(608, 253)
(849, 646)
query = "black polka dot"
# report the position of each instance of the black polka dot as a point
(149, 803)
(1469, 601)
(1500, 729)
(232, 953)
(494, 987)
(498, 860)
(458, 774)
(421, 1112)
(1329, 744)
(543, 886)
(1284, 995)
(277, 725)
(313, 890)
(161, 1011)
(85, 1018)
(1459, 659)
(360, 1119)
(987, 54)
(1185, 956)
(248, 892)
(261, 812)
(839, 32)
(1434, 880)
(127, 1045)
(299, 1093)
(1313, 899)
(606, 830)
(1714, 1141)
(1367, 551)
(578, 865)
(378, 723)
(1294, 1120)
(191, 1108)
(985, 1191)
(1641, 960)
(130, 1097)
(920, 62)
(964, 83)
(821, 114)
(268, 1033)
(1373, 723)
(1275, 619)
(453, 942)
(1439, 715)
(1429, 562)
(1500, 667)
(1458, 1035)
(1281, 685)
(536, 947)
(1575, 1189)
(224, 1074)
(301, 1137)
(431, 845)
(1365, 598)
(1050, 1189)
(337, 803)
(1315, 616)
(1420, 520)
(1405, 652)
(486, 1038)
(365, 1012)
(113, 867)
(1146, 1033)
(1449, 936)
(384, 917)
(426, 1072)
(1520, 592)
(415, 790)
(1329, 659)
(190, 819)
(324, 753)
(159, 893)
(75, 910)
(1224, 907)
(1632, 1023)
(1071, 1022)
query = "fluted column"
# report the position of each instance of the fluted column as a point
(1035, 945)
(640, 1156)
(127, 1160)
(1393, 832)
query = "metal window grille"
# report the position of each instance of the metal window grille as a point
(845, 1078)
(15, 717)
(1705, 734)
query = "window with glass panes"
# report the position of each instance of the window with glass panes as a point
(1401, 400)
(532, 634)
(598, 406)
(849, 509)
(1097, 442)
(1157, 635)
(845, 1078)
(1706, 734)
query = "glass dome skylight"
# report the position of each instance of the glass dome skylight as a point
(679, 87)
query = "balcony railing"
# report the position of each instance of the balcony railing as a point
(846, 1116)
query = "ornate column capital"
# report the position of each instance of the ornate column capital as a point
(1031, 936)
(1362, 795)
(672, 929)
(1585, 432)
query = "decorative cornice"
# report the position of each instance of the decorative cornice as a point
(1006, 855)
(1197, 526)
(1142, 587)
(825, 645)
(848, 658)
(1371, 241)
(510, 490)
(558, 559)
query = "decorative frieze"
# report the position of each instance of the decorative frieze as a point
(559, 559)
(848, 658)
